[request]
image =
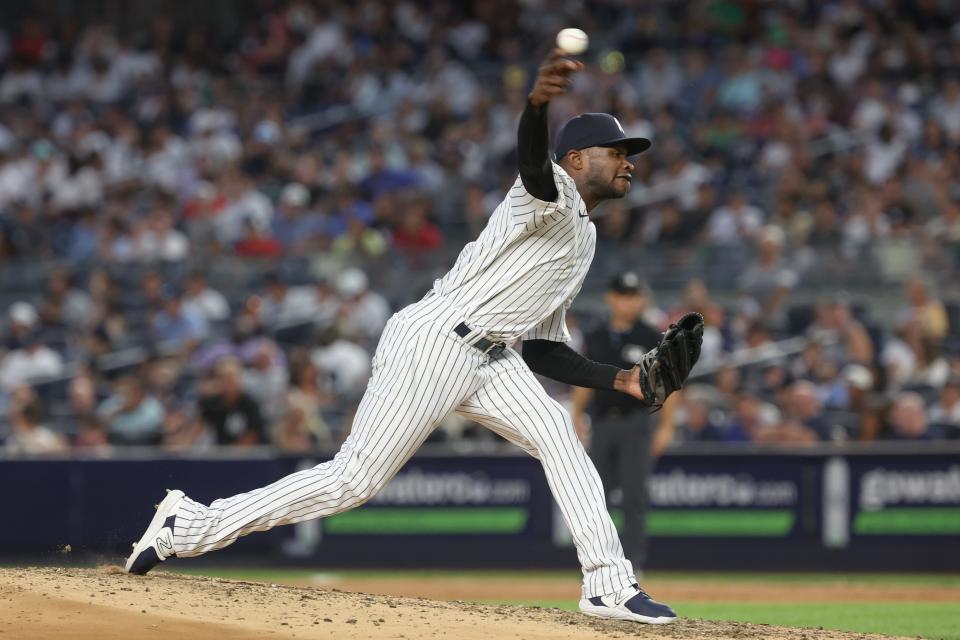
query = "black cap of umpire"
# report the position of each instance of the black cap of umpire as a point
(596, 130)
(628, 283)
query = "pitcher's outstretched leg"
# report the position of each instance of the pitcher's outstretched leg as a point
(421, 376)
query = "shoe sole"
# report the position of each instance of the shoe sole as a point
(592, 610)
(163, 512)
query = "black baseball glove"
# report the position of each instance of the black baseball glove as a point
(665, 368)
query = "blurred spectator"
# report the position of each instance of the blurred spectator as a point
(154, 292)
(768, 281)
(737, 223)
(266, 377)
(92, 436)
(659, 80)
(284, 305)
(907, 419)
(159, 240)
(182, 430)
(863, 406)
(925, 309)
(803, 413)
(66, 305)
(348, 206)
(843, 338)
(229, 411)
(666, 224)
(178, 326)
(27, 433)
(327, 302)
(256, 242)
(111, 331)
(741, 90)
(82, 393)
(345, 364)
(696, 214)
(750, 422)
(757, 339)
(382, 179)
(132, 416)
(363, 312)
(203, 300)
(159, 374)
(681, 179)
(847, 390)
(884, 153)
(865, 226)
(242, 341)
(22, 319)
(726, 382)
(616, 225)
(302, 427)
(695, 423)
(33, 362)
(945, 108)
(768, 379)
(246, 209)
(416, 235)
(944, 415)
(297, 229)
(359, 243)
(911, 358)
(825, 231)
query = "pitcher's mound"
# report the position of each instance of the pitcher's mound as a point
(107, 604)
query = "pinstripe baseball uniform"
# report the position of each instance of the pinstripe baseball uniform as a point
(516, 280)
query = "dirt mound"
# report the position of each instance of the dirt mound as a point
(107, 604)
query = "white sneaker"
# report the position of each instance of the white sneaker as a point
(156, 545)
(632, 603)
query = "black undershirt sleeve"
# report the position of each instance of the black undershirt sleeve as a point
(558, 361)
(533, 153)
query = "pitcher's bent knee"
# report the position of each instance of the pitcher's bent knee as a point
(358, 490)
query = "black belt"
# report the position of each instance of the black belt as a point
(487, 346)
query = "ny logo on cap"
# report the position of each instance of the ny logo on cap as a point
(619, 126)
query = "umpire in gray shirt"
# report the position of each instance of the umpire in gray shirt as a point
(621, 435)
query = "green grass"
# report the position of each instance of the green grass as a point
(924, 619)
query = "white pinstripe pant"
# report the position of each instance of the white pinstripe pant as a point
(422, 372)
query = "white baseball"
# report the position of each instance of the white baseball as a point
(573, 41)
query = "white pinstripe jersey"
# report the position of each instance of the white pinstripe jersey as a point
(518, 278)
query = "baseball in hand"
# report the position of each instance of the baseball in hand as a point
(573, 41)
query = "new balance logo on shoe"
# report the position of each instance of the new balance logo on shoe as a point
(165, 546)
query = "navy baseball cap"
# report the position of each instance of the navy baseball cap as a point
(627, 282)
(596, 130)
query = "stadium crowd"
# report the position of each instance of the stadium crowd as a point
(203, 231)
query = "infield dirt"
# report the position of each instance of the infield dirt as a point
(107, 604)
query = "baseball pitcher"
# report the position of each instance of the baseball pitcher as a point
(452, 352)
